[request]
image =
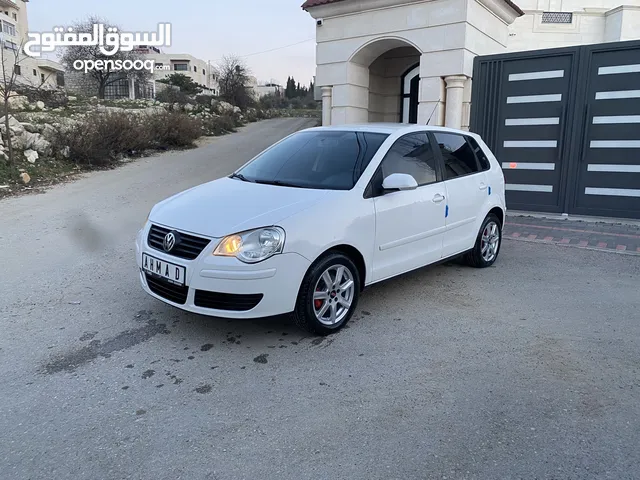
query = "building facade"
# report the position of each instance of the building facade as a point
(14, 29)
(412, 60)
(200, 71)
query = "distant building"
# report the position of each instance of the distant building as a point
(268, 88)
(14, 29)
(202, 72)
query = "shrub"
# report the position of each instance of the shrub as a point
(171, 95)
(101, 138)
(220, 125)
(174, 129)
(204, 100)
(51, 98)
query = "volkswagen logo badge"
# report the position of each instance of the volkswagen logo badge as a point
(169, 242)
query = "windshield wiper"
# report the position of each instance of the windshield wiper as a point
(279, 183)
(240, 177)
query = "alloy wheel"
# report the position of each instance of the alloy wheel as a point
(333, 295)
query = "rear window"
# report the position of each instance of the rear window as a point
(316, 159)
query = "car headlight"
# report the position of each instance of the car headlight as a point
(252, 246)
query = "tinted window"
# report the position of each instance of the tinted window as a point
(372, 143)
(411, 154)
(457, 155)
(316, 159)
(480, 155)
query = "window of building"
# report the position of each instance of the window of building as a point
(17, 69)
(183, 67)
(42, 77)
(557, 17)
(457, 155)
(480, 155)
(9, 45)
(60, 79)
(8, 28)
(203, 72)
(411, 154)
(35, 72)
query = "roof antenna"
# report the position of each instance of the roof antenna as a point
(433, 111)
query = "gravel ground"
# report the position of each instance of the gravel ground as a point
(528, 369)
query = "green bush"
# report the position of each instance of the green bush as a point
(173, 129)
(101, 138)
(220, 125)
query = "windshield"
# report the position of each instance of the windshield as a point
(332, 160)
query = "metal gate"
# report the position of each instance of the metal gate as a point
(565, 125)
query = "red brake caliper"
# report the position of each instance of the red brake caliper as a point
(317, 303)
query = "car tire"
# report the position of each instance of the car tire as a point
(319, 304)
(489, 236)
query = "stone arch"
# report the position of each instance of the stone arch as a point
(379, 65)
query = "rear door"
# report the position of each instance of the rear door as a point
(410, 223)
(466, 185)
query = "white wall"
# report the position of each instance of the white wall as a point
(594, 21)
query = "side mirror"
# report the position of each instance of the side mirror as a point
(399, 181)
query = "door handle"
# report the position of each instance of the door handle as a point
(483, 186)
(438, 198)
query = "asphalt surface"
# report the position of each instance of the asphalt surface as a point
(528, 369)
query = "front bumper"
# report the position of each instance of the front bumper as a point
(231, 286)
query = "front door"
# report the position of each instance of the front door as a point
(409, 224)
(410, 90)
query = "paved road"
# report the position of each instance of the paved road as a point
(529, 369)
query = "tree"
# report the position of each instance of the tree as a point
(103, 76)
(233, 79)
(8, 82)
(184, 82)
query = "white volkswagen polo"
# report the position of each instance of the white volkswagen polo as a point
(304, 226)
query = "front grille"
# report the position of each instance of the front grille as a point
(227, 301)
(189, 247)
(164, 289)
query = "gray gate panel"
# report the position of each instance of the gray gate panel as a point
(531, 122)
(608, 168)
(585, 99)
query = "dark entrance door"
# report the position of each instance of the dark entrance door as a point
(413, 99)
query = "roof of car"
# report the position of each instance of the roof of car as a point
(388, 128)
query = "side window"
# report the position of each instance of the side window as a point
(480, 155)
(459, 159)
(372, 141)
(411, 154)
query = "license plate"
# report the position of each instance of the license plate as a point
(159, 268)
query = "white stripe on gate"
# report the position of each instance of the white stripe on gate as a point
(521, 187)
(515, 77)
(614, 192)
(614, 69)
(554, 97)
(603, 167)
(616, 119)
(528, 166)
(612, 95)
(530, 143)
(511, 122)
(615, 144)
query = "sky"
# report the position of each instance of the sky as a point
(206, 29)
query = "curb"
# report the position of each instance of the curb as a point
(559, 244)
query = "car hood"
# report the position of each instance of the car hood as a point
(227, 206)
